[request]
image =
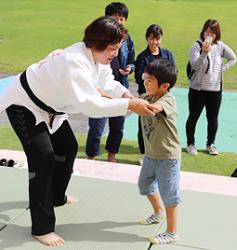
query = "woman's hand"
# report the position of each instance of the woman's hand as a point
(206, 47)
(128, 94)
(156, 108)
(141, 107)
(104, 94)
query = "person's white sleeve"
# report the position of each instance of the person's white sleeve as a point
(87, 99)
(108, 84)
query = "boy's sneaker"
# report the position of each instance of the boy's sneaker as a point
(154, 218)
(164, 238)
(212, 150)
(191, 149)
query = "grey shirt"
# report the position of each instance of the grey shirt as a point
(212, 80)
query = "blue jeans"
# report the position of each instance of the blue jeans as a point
(162, 176)
(96, 129)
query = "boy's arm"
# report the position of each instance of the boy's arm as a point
(156, 108)
(166, 105)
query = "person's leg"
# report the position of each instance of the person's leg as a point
(169, 185)
(196, 101)
(40, 156)
(148, 186)
(140, 137)
(156, 203)
(65, 149)
(96, 128)
(172, 217)
(170, 235)
(113, 142)
(168, 175)
(212, 112)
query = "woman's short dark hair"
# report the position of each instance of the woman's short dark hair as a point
(116, 8)
(102, 32)
(163, 70)
(214, 27)
(155, 30)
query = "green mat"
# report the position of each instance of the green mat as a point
(13, 194)
(206, 222)
(107, 215)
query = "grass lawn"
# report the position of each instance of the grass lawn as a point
(223, 164)
(30, 29)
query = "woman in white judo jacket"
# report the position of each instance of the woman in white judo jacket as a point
(71, 80)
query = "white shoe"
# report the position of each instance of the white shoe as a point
(212, 150)
(152, 219)
(164, 238)
(191, 149)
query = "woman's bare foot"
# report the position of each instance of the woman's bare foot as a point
(51, 239)
(71, 199)
(90, 158)
(111, 157)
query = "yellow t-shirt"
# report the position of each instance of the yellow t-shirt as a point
(159, 132)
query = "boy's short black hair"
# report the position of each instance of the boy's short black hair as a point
(163, 70)
(102, 32)
(116, 8)
(155, 30)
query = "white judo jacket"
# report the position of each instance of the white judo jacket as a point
(67, 80)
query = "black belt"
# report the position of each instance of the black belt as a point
(36, 100)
